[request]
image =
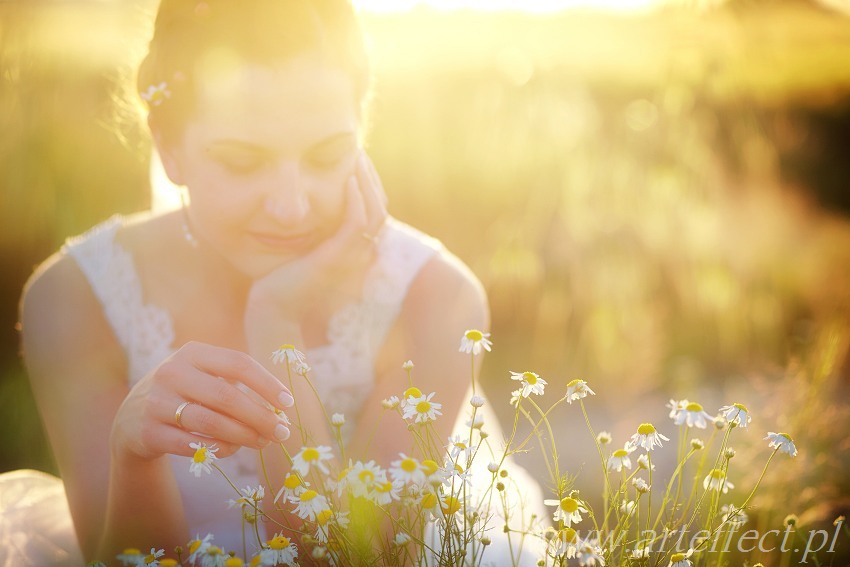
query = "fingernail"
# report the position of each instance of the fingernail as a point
(286, 400)
(281, 432)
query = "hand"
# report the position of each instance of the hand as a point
(232, 405)
(290, 290)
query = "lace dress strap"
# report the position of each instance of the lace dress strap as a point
(144, 331)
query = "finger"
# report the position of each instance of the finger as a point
(248, 418)
(199, 419)
(176, 441)
(237, 366)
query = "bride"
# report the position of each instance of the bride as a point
(155, 331)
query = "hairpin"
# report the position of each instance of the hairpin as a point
(156, 94)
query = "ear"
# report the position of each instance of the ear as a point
(168, 156)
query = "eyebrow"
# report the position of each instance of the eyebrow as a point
(249, 146)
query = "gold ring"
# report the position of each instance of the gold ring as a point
(178, 415)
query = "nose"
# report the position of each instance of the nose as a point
(287, 199)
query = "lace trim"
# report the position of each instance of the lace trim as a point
(144, 331)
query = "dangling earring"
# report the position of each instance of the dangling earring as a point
(187, 231)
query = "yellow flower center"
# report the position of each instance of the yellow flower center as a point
(408, 465)
(385, 487)
(213, 550)
(568, 535)
(366, 476)
(569, 505)
(786, 436)
(676, 557)
(255, 561)
(169, 562)
(621, 453)
(230, 562)
(287, 346)
(530, 378)
(324, 517)
(200, 455)
(693, 406)
(310, 454)
(474, 335)
(646, 429)
(458, 468)
(132, 551)
(574, 383)
(429, 500)
(716, 473)
(450, 505)
(308, 495)
(278, 542)
(413, 391)
(292, 482)
(423, 407)
(194, 545)
(343, 474)
(741, 407)
(430, 466)
(150, 559)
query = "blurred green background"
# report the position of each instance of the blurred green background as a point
(657, 203)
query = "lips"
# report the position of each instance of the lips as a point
(284, 243)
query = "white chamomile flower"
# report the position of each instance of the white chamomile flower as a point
(293, 486)
(198, 547)
(422, 409)
(202, 459)
(390, 403)
(568, 510)
(531, 383)
(578, 389)
(681, 559)
(152, 558)
(250, 497)
(692, 415)
(325, 519)
(643, 462)
(458, 448)
(279, 550)
(477, 401)
(639, 552)
(407, 469)
(619, 459)
(309, 457)
(385, 491)
(647, 437)
(156, 94)
(716, 480)
(309, 504)
(434, 475)
(213, 556)
(627, 508)
(564, 544)
(477, 422)
(337, 420)
(474, 340)
(409, 395)
(288, 353)
(589, 553)
(401, 539)
(782, 442)
(640, 485)
(130, 556)
(734, 516)
(676, 406)
(604, 437)
(737, 414)
(408, 365)
(362, 477)
(493, 467)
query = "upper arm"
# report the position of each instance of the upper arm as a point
(78, 375)
(443, 301)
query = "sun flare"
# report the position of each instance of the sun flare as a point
(531, 6)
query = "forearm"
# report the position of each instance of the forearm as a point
(144, 508)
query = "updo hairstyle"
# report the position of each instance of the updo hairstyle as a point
(194, 38)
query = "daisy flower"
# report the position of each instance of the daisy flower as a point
(627, 508)
(716, 480)
(390, 403)
(202, 459)
(578, 389)
(643, 462)
(279, 550)
(384, 492)
(250, 496)
(130, 556)
(401, 539)
(152, 558)
(473, 341)
(434, 475)
(737, 414)
(676, 406)
(477, 422)
(782, 442)
(619, 459)
(681, 559)
(309, 457)
(477, 401)
(407, 469)
(362, 477)
(647, 437)
(564, 544)
(640, 485)
(293, 485)
(604, 437)
(323, 520)
(213, 556)
(422, 409)
(531, 383)
(692, 415)
(309, 504)
(640, 552)
(156, 94)
(568, 509)
(735, 516)
(288, 353)
(198, 546)
(458, 448)
(589, 553)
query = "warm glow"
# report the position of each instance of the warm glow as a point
(531, 6)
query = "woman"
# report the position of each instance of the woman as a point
(153, 332)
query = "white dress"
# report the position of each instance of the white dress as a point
(146, 333)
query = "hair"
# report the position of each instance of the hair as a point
(193, 37)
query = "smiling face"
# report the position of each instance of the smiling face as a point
(266, 158)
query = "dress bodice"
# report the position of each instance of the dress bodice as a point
(342, 368)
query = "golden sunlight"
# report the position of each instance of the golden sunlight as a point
(530, 6)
